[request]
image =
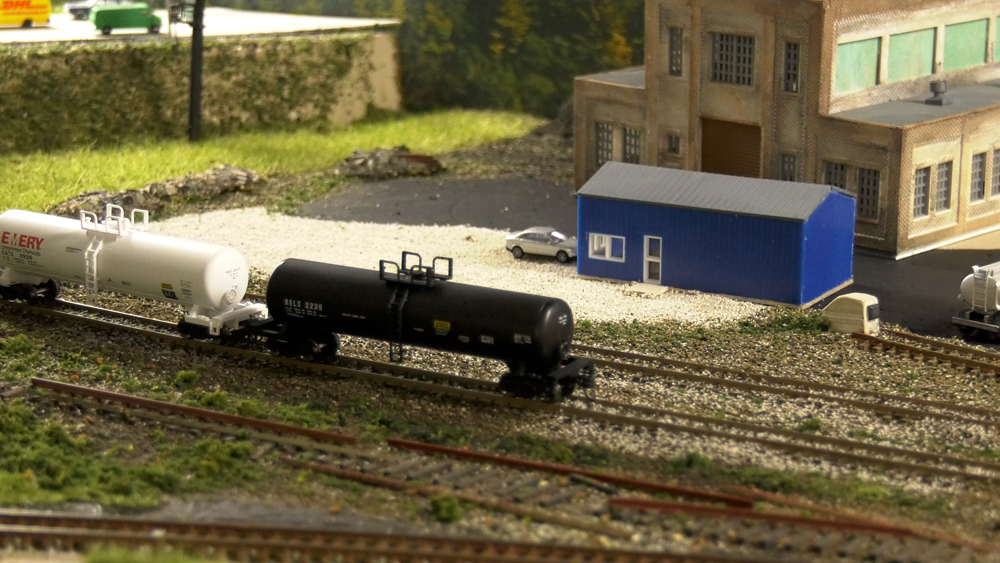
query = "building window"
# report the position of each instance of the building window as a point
(732, 59)
(676, 66)
(633, 144)
(787, 168)
(978, 190)
(868, 184)
(943, 186)
(605, 143)
(921, 187)
(995, 184)
(607, 247)
(674, 144)
(792, 68)
(835, 174)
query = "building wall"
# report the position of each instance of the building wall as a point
(857, 147)
(617, 106)
(893, 50)
(957, 141)
(729, 254)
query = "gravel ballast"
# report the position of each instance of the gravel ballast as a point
(479, 257)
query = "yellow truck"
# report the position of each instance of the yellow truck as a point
(25, 13)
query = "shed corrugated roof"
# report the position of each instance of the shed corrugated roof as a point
(793, 201)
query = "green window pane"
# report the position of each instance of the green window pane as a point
(857, 65)
(911, 55)
(965, 45)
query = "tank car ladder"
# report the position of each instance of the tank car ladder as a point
(980, 280)
(115, 226)
(93, 249)
(402, 278)
(396, 322)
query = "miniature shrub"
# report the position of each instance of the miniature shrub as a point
(186, 378)
(689, 462)
(216, 399)
(809, 425)
(445, 508)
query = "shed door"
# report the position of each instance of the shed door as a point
(730, 148)
(653, 260)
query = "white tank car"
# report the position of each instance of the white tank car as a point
(980, 290)
(118, 255)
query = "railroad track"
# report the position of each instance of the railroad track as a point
(864, 399)
(256, 543)
(431, 470)
(609, 413)
(929, 349)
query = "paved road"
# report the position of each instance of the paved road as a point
(219, 22)
(505, 204)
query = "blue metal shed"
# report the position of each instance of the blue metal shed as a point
(766, 240)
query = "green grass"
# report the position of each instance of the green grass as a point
(36, 181)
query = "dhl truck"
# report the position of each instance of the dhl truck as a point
(25, 13)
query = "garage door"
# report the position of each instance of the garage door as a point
(730, 148)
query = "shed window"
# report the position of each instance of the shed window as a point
(977, 192)
(607, 247)
(676, 66)
(835, 174)
(787, 167)
(732, 59)
(605, 143)
(633, 144)
(943, 186)
(868, 187)
(792, 68)
(995, 184)
(921, 187)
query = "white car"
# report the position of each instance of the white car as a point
(545, 241)
(81, 10)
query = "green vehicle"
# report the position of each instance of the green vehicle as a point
(112, 16)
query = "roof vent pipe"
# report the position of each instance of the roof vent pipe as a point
(938, 88)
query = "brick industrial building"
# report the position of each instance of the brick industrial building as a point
(823, 91)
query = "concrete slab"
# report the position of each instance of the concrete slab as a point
(647, 290)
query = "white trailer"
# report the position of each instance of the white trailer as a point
(981, 292)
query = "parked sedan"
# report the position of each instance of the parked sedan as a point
(545, 241)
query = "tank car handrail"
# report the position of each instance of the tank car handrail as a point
(144, 225)
(435, 268)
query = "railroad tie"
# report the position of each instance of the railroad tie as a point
(855, 545)
(402, 467)
(924, 551)
(530, 481)
(457, 473)
(537, 491)
(965, 555)
(884, 552)
(489, 475)
(560, 497)
(824, 543)
(916, 548)
(590, 481)
(432, 469)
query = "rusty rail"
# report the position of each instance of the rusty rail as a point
(886, 344)
(255, 543)
(225, 418)
(743, 514)
(652, 486)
